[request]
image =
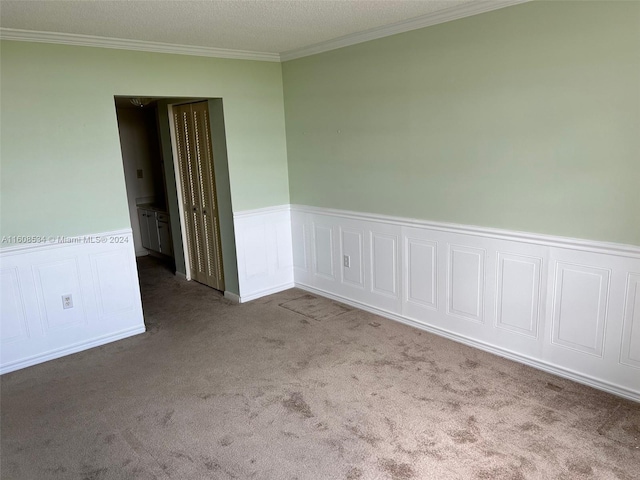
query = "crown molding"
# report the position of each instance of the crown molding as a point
(139, 45)
(442, 16)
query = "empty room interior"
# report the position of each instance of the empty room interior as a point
(361, 239)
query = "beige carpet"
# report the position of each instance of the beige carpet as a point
(293, 386)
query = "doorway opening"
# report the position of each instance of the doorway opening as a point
(177, 180)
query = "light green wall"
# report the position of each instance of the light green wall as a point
(525, 118)
(61, 170)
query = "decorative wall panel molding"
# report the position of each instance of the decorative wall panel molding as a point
(98, 271)
(465, 286)
(299, 238)
(384, 253)
(518, 293)
(264, 251)
(580, 307)
(352, 248)
(53, 280)
(569, 307)
(630, 354)
(323, 249)
(14, 322)
(112, 295)
(421, 272)
(573, 244)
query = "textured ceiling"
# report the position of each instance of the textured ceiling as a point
(273, 26)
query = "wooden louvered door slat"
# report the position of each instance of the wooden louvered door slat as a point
(207, 189)
(181, 117)
(195, 159)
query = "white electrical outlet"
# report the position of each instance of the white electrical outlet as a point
(347, 261)
(67, 301)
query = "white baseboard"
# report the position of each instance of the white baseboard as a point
(577, 377)
(268, 291)
(61, 352)
(562, 305)
(233, 297)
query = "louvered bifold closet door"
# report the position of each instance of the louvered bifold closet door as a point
(184, 149)
(195, 160)
(207, 190)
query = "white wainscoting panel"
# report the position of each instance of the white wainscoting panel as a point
(98, 271)
(53, 280)
(112, 295)
(384, 254)
(352, 247)
(254, 245)
(630, 354)
(518, 293)
(299, 238)
(569, 307)
(580, 307)
(323, 248)
(264, 251)
(421, 272)
(12, 311)
(465, 287)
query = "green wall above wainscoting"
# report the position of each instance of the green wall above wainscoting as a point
(61, 165)
(526, 118)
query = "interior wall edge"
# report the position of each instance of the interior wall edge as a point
(264, 251)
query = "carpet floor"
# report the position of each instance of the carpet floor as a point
(293, 386)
